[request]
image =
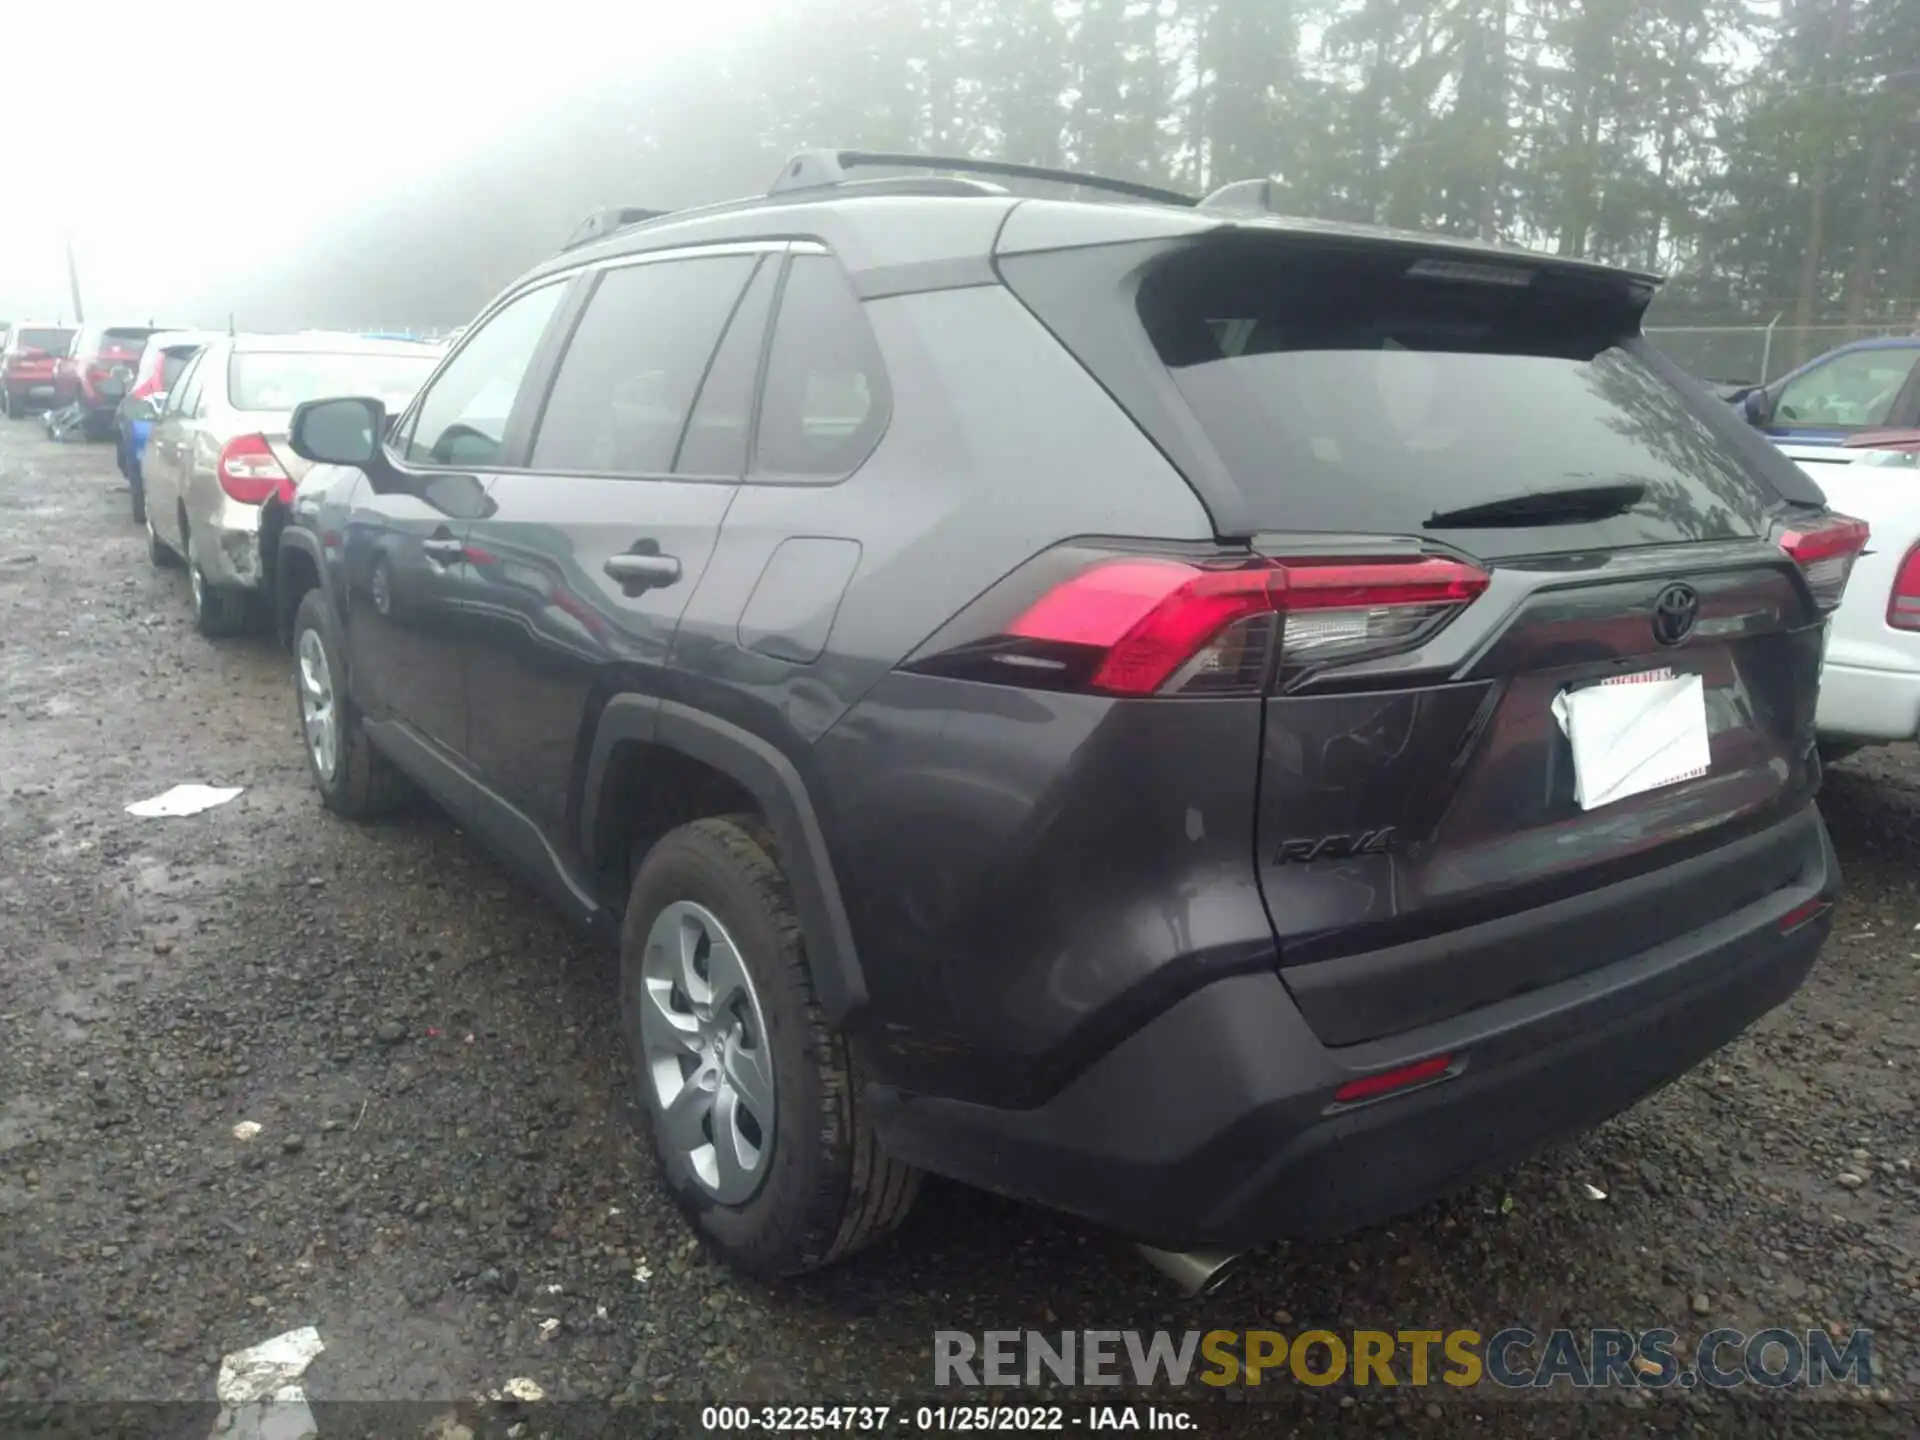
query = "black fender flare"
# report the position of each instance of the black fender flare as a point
(770, 777)
(295, 537)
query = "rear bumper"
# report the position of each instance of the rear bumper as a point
(1214, 1125)
(1859, 703)
(227, 545)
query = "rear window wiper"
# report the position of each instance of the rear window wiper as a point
(1542, 507)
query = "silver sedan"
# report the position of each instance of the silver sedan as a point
(218, 453)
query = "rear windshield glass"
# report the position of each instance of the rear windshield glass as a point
(274, 380)
(173, 364)
(1345, 395)
(54, 342)
(124, 342)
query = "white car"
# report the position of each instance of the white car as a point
(1870, 684)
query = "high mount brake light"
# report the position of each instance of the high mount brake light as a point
(1148, 625)
(1825, 552)
(249, 472)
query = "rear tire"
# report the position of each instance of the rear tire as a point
(822, 1188)
(359, 783)
(217, 613)
(158, 551)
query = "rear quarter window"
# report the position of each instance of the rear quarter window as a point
(825, 402)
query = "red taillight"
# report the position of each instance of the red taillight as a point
(1162, 626)
(1825, 553)
(248, 471)
(1367, 1087)
(1903, 605)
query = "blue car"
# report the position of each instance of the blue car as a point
(1868, 385)
(161, 363)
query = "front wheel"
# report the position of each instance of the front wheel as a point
(755, 1109)
(353, 778)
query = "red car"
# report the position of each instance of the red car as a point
(96, 372)
(27, 364)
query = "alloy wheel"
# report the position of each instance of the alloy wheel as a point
(318, 717)
(704, 1037)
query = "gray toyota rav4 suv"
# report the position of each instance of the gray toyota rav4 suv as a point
(1099, 698)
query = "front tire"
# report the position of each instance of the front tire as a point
(756, 1114)
(354, 779)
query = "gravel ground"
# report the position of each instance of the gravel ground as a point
(445, 1163)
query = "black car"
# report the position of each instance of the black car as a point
(1063, 694)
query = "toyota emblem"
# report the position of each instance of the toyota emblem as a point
(1676, 609)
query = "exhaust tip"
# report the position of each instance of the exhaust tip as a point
(1196, 1272)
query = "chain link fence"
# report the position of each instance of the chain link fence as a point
(1755, 354)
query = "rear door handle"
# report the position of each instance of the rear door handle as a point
(642, 572)
(444, 551)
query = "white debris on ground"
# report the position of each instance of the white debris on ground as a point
(246, 1130)
(184, 800)
(520, 1389)
(259, 1390)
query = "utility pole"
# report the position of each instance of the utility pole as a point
(73, 282)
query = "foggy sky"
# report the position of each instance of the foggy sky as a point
(191, 144)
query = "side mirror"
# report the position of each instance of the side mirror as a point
(1757, 406)
(346, 431)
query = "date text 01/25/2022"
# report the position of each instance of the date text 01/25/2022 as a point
(871, 1419)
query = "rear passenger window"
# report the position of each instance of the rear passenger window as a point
(825, 402)
(637, 359)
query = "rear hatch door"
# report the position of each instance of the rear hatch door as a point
(1419, 844)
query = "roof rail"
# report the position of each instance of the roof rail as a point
(819, 169)
(602, 223)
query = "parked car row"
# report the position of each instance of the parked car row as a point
(1218, 725)
(199, 424)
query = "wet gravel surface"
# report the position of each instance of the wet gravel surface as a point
(445, 1165)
